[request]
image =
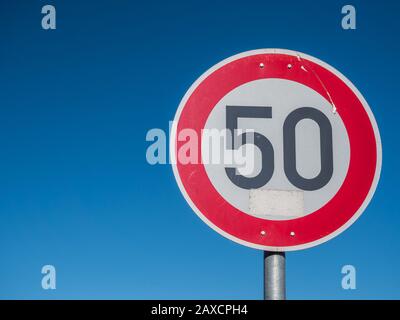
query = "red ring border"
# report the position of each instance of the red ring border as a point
(284, 233)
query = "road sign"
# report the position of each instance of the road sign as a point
(316, 150)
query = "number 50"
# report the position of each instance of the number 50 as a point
(233, 113)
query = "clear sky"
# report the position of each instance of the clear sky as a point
(76, 191)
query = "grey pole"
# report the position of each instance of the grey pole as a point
(274, 276)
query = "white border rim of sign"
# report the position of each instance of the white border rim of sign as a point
(274, 248)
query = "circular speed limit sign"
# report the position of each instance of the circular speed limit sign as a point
(308, 141)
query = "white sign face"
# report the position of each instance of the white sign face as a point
(269, 92)
(310, 140)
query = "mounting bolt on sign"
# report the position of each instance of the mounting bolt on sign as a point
(316, 151)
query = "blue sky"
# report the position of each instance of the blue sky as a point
(76, 190)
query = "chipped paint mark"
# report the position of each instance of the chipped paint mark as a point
(303, 68)
(334, 109)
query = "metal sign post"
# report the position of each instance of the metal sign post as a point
(274, 276)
